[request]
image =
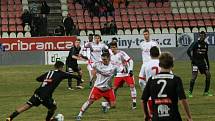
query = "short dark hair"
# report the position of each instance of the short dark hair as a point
(154, 51)
(146, 30)
(113, 43)
(114, 39)
(166, 60)
(98, 36)
(202, 32)
(58, 64)
(78, 40)
(106, 54)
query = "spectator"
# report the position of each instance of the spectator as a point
(105, 30)
(33, 9)
(113, 28)
(26, 17)
(69, 25)
(59, 31)
(43, 25)
(45, 9)
(110, 9)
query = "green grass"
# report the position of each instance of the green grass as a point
(17, 84)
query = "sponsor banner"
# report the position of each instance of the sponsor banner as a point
(52, 56)
(210, 37)
(37, 43)
(133, 41)
(185, 39)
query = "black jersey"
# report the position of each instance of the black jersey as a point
(164, 89)
(71, 61)
(198, 52)
(50, 81)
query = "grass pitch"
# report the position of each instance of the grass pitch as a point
(17, 84)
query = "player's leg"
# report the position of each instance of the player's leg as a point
(193, 79)
(110, 100)
(89, 68)
(18, 111)
(118, 82)
(207, 83)
(33, 101)
(79, 71)
(130, 81)
(95, 94)
(70, 79)
(51, 105)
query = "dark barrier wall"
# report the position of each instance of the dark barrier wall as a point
(38, 57)
(22, 58)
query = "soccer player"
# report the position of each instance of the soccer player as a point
(145, 46)
(125, 63)
(198, 53)
(95, 52)
(165, 89)
(150, 68)
(43, 95)
(103, 71)
(72, 64)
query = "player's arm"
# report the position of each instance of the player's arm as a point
(94, 75)
(129, 62)
(66, 75)
(182, 99)
(81, 53)
(189, 50)
(41, 78)
(145, 97)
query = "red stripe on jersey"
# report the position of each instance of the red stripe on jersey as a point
(143, 78)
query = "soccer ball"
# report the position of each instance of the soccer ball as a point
(59, 117)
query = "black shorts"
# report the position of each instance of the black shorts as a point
(201, 68)
(35, 100)
(72, 69)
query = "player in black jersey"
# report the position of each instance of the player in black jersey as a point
(43, 94)
(198, 53)
(165, 89)
(72, 64)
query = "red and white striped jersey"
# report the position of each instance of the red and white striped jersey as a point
(122, 61)
(104, 74)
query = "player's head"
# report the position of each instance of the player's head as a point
(154, 52)
(77, 43)
(146, 35)
(105, 58)
(59, 65)
(114, 39)
(113, 46)
(202, 35)
(97, 38)
(90, 37)
(166, 60)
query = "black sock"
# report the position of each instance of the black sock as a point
(14, 114)
(91, 83)
(192, 82)
(49, 115)
(70, 83)
(207, 85)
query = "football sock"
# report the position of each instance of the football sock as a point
(14, 114)
(50, 113)
(192, 82)
(133, 94)
(84, 107)
(207, 85)
(70, 83)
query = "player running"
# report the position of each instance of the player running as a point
(125, 63)
(103, 72)
(145, 46)
(198, 53)
(165, 89)
(43, 95)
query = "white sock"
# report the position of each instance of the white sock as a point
(133, 94)
(84, 107)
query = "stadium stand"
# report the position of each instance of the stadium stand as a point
(11, 11)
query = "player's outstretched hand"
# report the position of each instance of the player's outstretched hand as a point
(131, 73)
